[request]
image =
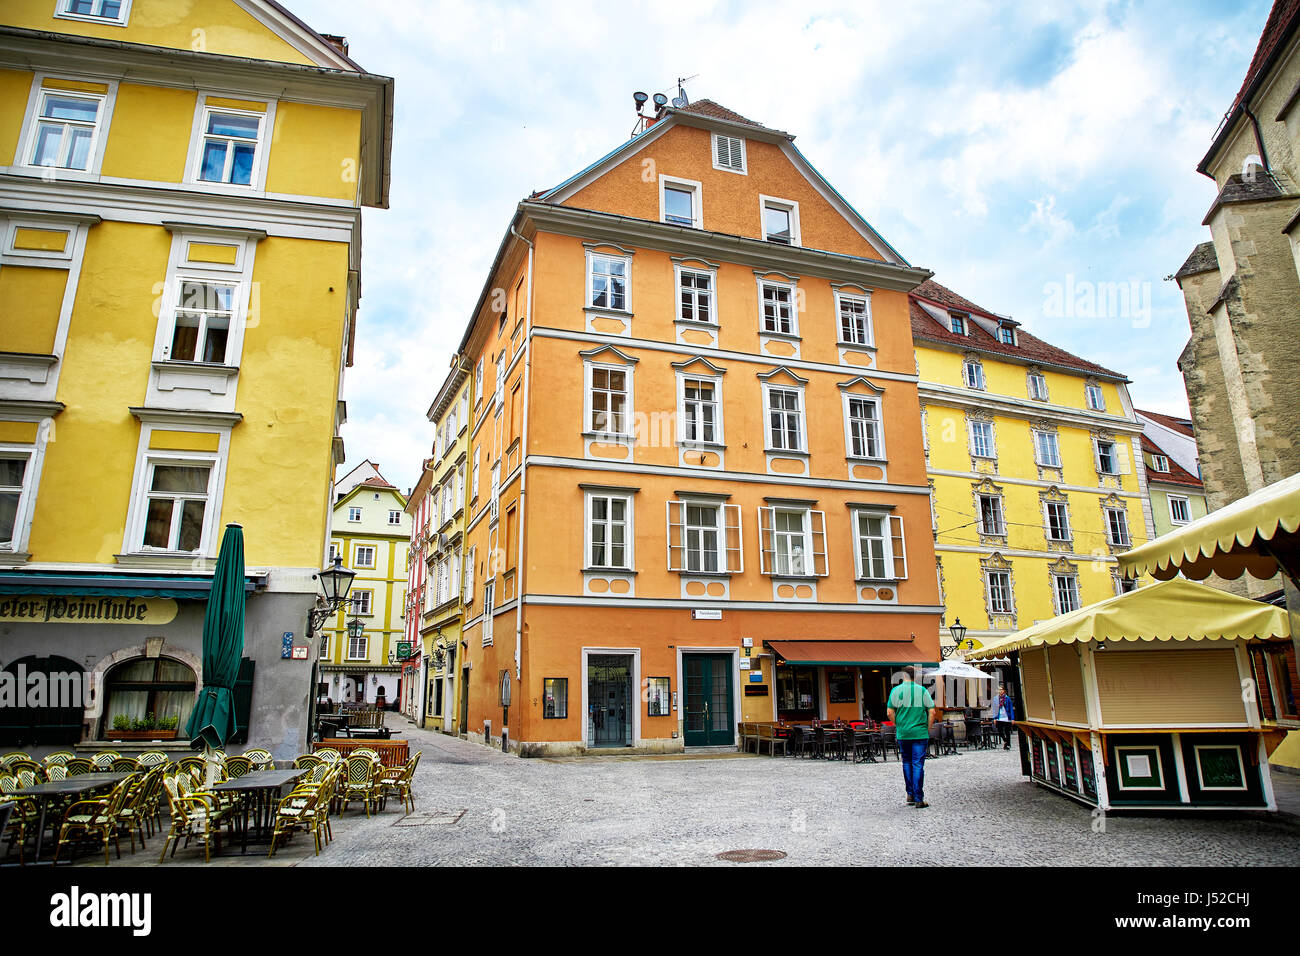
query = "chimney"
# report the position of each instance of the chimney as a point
(337, 42)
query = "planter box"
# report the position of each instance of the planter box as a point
(141, 735)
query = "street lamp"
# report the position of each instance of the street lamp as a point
(335, 584)
(958, 632)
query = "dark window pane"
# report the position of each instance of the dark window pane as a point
(191, 526)
(214, 162)
(180, 479)
(158, 524)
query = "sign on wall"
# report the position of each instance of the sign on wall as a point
(49, 609)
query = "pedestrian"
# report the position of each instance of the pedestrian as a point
(911, 708)
(1005, 714)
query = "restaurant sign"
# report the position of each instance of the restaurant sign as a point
(50, 609)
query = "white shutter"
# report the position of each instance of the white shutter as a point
(817, 520)
(676, 535)
(734, 541)
(1122, 461)
(469, 575)
(898, 546)
(766, 539)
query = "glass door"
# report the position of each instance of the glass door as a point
(609, 700)
(710, 707)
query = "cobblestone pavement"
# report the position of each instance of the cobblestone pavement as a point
(475, 805)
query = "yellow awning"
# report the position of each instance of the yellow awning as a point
(1227, 542)
(1177, 610)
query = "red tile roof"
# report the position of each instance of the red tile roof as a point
(1169, 421)
(1029, 348)
(718, 111)
(1176, 475)
(1281, 19)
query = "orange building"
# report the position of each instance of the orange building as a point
(697, 489)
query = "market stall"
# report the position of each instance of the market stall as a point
(1144, 701)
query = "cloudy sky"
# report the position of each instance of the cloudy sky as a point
(1032, 155)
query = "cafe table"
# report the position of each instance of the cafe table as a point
(44, 793)
(260, 791)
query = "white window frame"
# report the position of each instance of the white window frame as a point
(1000, 530)
(356, 556)
(332, 552)
(812, 541)
(98, 137)
(716, 381)
(1010, 330)
(489, 610)
(494, 504)
(234, 331)
(589, 524)
(394, 517)
(138, 520)
(793, 289)
(473, 480)
(992, 450)
(1114, 468)
(690, 186)
(869, 338)
(592, 256)
(588, 409)
(678, 269)
(744, 163)
(893, 556)
(954, 319)
(1127, 537)
(468, 577)
(1009, 592)
(478, 382)
(62, 12)
(849, 419)
(978, 366)
(789, 206)
(194, 161)
(499, 396)
(1187, 509)
(354, 514)
(1041, 437)
(802, 412)
(1071, 583)
(1047, 521)
(26, 496)
(1037, 383)
(1160, 463)
(727, 517)
(323, 649)
(362, 608)
(358, 647)
(1094, 398)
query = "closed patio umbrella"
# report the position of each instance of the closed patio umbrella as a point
(212, 720)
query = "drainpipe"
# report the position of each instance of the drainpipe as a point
(1259, 139)
(523, 463)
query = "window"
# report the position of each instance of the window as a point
(334, 550)
(1066, 592)
(607, 282)
(229, 147)
(555, 698)
(999, 588)
(981, 440)
(700, 416)
(1096, 401)
(175, 505)
(1117, 526)
(728, 153)
(489, 607)
(991, 515)
(1037, 386)
(358, 647)
(394, 517)
(1047, 449)
(1006, 334)
(609, 541)
(323, 651)
(855, 319)
(478, 383)
(792, 542)
(1180, 510)
(473, 480)
(1107, 458)
(354, 514)
(609, 401)
(468, 577)
(201, 321)
(161, 686)
(780, 221)
(879, 546)
(365, 556)
(13, 473)
(1160, 463)
(696, 292)
(784, 418)
(103, 11)
(66, 127)
(864, 428)
(680, 202)
(362, 601)
(973, 374)
(704, 537)
(1058, 520)
(500, 397)
(957, 323)
(778, 309)
(495, 502)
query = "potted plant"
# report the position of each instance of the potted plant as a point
(149, 727)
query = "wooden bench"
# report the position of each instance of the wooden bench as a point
(392, 753)
(748, 737)
(767, 735)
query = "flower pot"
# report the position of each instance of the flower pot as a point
(141, 734)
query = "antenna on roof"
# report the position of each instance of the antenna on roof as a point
(681, 100)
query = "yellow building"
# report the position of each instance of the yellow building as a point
(180, 203)
(370, 535)
(1035, 460)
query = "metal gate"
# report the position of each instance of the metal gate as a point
(609, 700)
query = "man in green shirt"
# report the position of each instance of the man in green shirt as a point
(911, 708)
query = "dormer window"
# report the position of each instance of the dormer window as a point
(957, 323)
(1006, 335)
(1160, 463)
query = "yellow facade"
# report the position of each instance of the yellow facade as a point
(179, 257)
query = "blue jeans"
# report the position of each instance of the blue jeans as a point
(913, 754)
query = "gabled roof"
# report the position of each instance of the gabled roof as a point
(718, 111)
(299, 35)
(371, 485)
(1176, 475)
(1028, 348)
(1169, 421)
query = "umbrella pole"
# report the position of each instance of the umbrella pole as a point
(210, 762)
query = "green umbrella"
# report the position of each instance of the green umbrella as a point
(212, 720)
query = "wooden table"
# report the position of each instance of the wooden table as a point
(71, 786)
(263, 786)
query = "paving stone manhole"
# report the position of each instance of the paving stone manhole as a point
(751, 856)
(431, 818)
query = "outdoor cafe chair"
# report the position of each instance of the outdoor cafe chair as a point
(125, 765)
(152, 758)
(308, 762)
(238, 767)
(104, 759)
(95, 816)
(328, 754)
(398, 780)
(262, 759)
(189, 763)
(13, 755)
(888, 740)
(131, 815)
(57, 759)
(20, 767)
(300, 810)
(359, 784)
(26, 812)
(192, 814)
(78, 766)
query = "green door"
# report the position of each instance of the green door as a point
(710, 709)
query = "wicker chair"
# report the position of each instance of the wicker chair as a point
(152, 758)
(95, 816)
(57, 759)
(26, 812)
(78, 766)
(13, 755)
(104, 759)
(359, 783)
(238, 767)
(307, 762)
(397, 781)
(329, 754)
(300, 810)
(262, 759)
(192, 814)
(132, 814)
(125, 765)
(35, 771)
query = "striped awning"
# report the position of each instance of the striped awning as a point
(813, 653)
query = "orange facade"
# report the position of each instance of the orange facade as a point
(717, 395)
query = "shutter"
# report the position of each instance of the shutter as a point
(735, 548)
(469, 577)
(724, 151)
(243, 699)
(817, 519)
(1123, 465)
(676, 535)
(1197, 687)
(766, 541)
(898, 546)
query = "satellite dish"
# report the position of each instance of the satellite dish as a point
(680, 101)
